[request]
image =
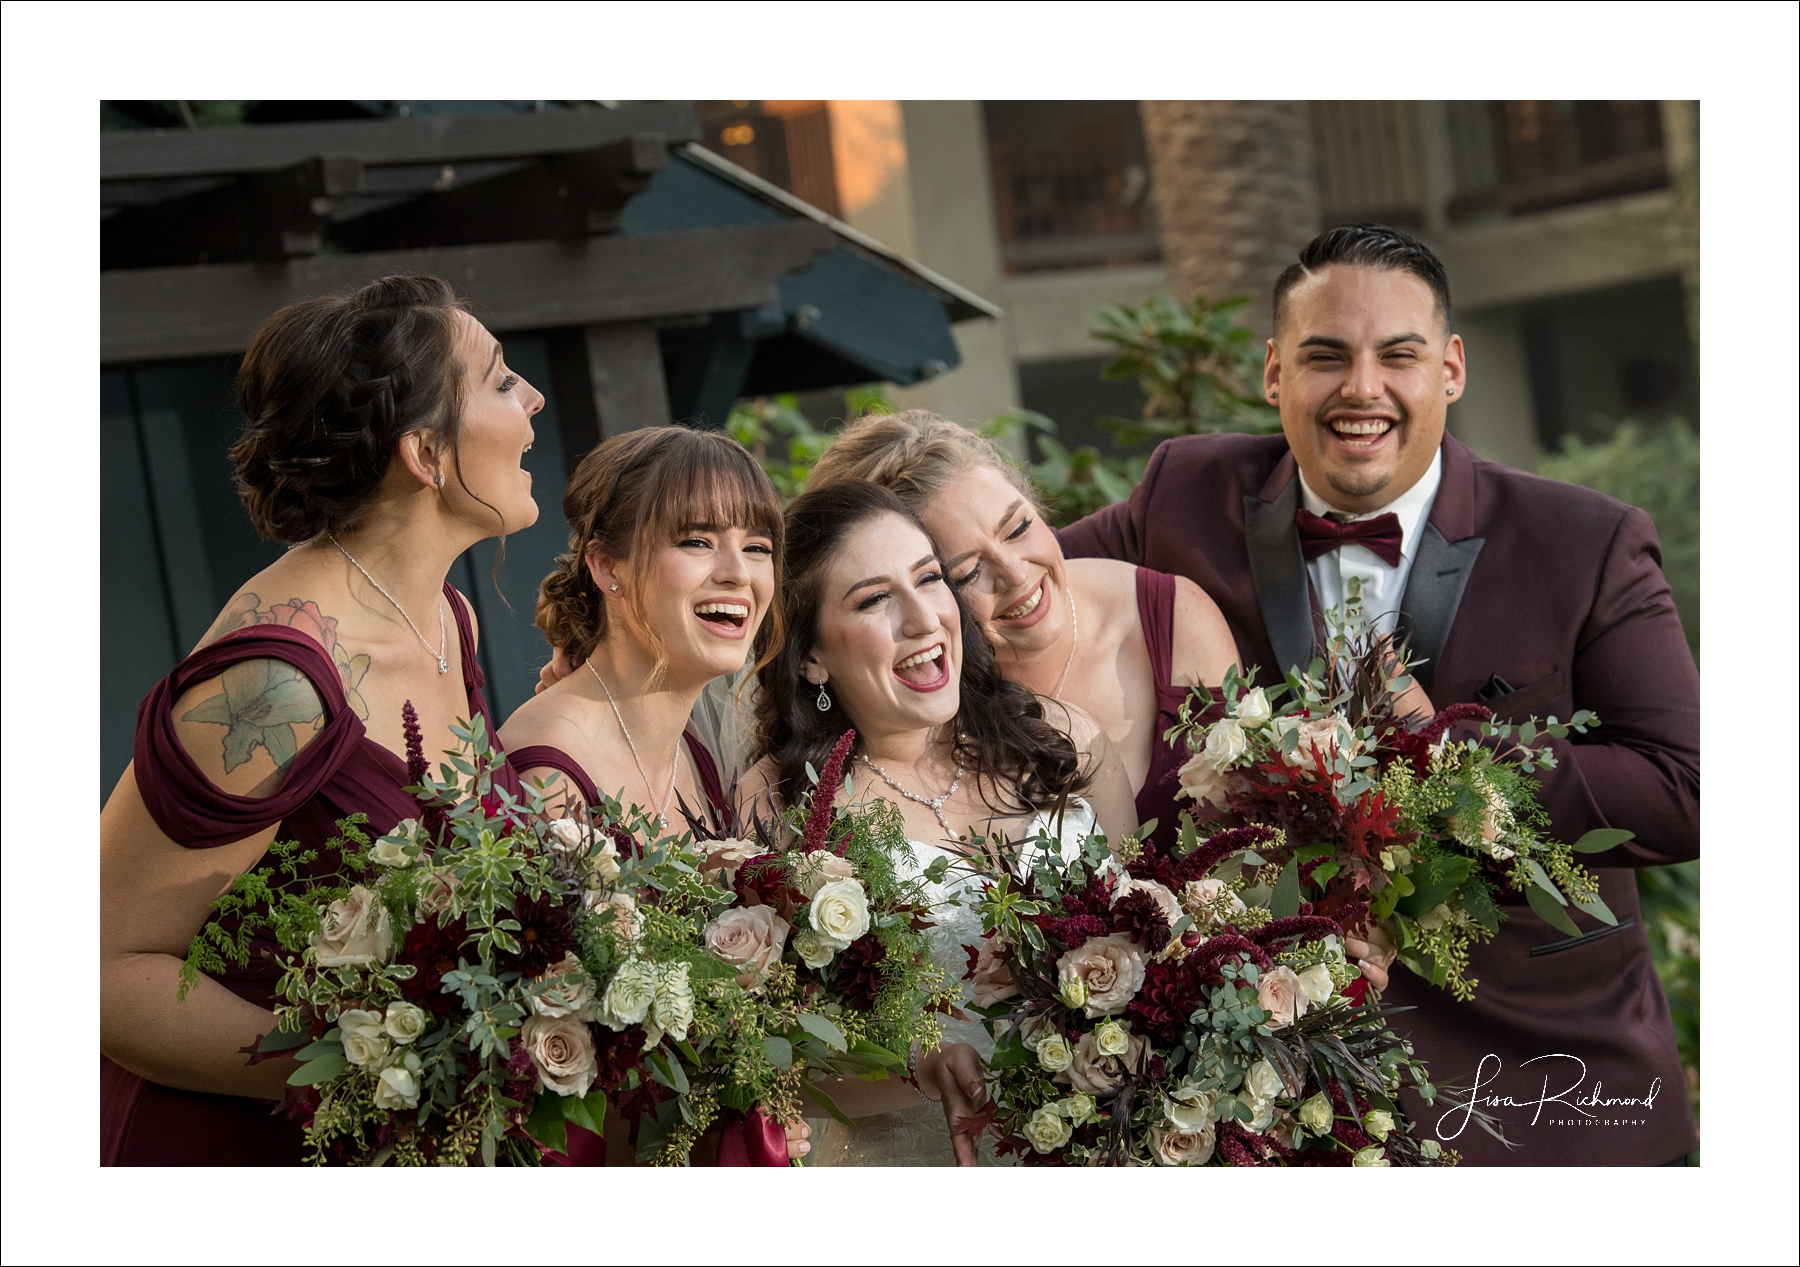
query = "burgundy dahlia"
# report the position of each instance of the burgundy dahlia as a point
(432, 951)
(546, 933)
(858, 977)
(617, 1052)
(1138, 915)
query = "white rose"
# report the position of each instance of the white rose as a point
(1189, 1109)
(435, 892)
(405, 1022)
(1110, 1038)
(1253, 711)
(1204, 782)
(819, 868)
(724, 857)
(567, 837)
(840, 912)
(390, 850)
(1182, 1148)
(1225, 744)
(356, 932)
(1315, 1114)
(1371, 1156)
(570, 994)
(628, 995)
(673, 1010)
(1054, 1053)
(1073, 993)
(1078, 1108)
(363, 1037)
(1316, 984)
(1263, 1082)
(398, 1084)
(814, 950)
(1204, 898)
(1378, 1123)
(562, 1052)
(1048, 1130)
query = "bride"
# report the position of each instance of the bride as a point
(877, 641)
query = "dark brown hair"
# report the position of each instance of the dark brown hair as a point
(1002, 734)
(1369, 246)
(329, 387)
(637, 492)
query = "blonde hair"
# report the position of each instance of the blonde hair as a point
(914, 455)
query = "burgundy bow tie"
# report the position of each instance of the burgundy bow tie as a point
(1319, 535)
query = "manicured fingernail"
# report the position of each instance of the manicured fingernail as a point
(805, 1148)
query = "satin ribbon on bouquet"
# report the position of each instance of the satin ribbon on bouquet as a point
(750, 1139)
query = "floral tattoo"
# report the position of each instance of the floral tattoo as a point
(246, 611)
(262, 702)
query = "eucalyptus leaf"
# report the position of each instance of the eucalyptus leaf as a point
(1601, 839)
(779, 1051)
(828, 1104)
(1599, 910)
(1285, 900)
(823, 1030)
(322, 1069)
(1550, 912)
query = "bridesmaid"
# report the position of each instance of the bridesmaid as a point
(385, 438)
(1124, 643)
(673, 563)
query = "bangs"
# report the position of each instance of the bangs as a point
(710, 481)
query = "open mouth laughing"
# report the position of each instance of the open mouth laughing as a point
(1031, 609)
(726, 619)
(926, 670)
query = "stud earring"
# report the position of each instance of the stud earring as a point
(823, 703)
(440, 479)
(615, 587)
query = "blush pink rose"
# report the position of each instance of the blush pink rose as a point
(748, 937)
(1111, 968)
(1095, 1074)
(1280, 993)
(991, 979)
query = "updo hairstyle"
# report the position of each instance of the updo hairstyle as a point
(640, 491)
(914, 454)
(329, 387)
(1024, 762)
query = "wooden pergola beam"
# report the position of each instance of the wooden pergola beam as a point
(162, 153)
(164, 313)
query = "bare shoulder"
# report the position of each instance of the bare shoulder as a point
(756, 793)
(1105, 579)
(1201, 640)
(1106, 590)
(551, 717)
(1073, 720)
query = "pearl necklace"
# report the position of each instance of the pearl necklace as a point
(934, 804)
(662, 814)
(443, 664)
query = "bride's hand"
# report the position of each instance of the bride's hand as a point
(951, 1075)
(797, 1135)
(554, 672)
(1374, 954)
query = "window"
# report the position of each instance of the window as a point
(787, 143)
(1071, 184)
(1523, 156)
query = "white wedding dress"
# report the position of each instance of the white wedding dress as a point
(919, 1136)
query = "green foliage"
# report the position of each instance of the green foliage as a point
(782, 438)
(1657, 469)
(1200, 371)
(1669, 903)
(1070, 483)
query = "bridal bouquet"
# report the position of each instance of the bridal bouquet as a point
(1149, 1015)
(471, 983)
(1380, 823)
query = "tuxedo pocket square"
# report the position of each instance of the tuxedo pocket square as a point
(1541, 698)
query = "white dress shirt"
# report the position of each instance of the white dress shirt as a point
(1353, 579)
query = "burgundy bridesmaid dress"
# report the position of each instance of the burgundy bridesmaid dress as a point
(341, 772)
(1156, 799)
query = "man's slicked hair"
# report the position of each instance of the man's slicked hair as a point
(1369, 246)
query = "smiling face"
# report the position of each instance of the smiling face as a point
(703, 596)
(1002, 558)
(485, 481)
(889, 641)
(1363, 371)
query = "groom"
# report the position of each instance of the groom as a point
(1528, 596)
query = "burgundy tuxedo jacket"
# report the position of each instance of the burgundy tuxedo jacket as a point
(1558, 591)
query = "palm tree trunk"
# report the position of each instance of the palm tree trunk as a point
(1236, 195)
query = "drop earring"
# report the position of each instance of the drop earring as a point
(823, 703)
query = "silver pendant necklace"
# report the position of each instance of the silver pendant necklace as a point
(662, 814)
(934, 804)
(443, 664)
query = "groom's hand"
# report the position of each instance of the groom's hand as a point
(952, 1076)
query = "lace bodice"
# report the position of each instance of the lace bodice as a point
(956, 923)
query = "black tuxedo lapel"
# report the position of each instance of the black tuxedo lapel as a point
(1434, 591)
(1279, 573)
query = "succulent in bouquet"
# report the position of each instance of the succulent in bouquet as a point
(1146, 1013)
(1419, 827)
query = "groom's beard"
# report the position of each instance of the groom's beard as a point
(1367, 481)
